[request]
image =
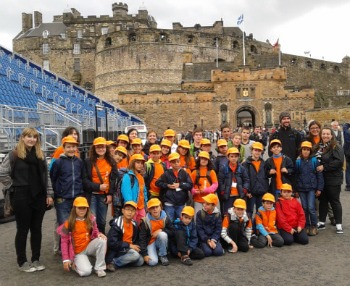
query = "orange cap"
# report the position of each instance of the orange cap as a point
(123, 137)
(165, 142)
(286, 187)
(69, 139)
(211, 199)
(306, 144)
(188, 210)
(275, 141)
(268, 197)
(204, 154)
(258, 145)
(232, 150)
(130, 203)
(222, 142)
(205, 141)
(138, 157)
(184, 144)
(81, 202)
(239, 203)
(100, 141)
(153, 203)
(173, 156)
(154, 148)
(169, 132)
(136, 141)
(111, 142)
(122, 150)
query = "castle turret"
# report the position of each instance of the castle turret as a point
(38, 19)
(27, 22)
(120, 9)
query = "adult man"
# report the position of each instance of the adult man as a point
(337, 132)
(226, 134)
(259, 136)
(195, 147)
(289, 137)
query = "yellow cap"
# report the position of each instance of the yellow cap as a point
(204, 154)
(69, 139)
(306, 144)
(184, 144)
(286, 187)
(153, 203)
(136, 141)
(173, 156)
(232, 150)
(222, 142)
(138, 157)
(258, 145)
(169, 133)
(268, 197)
(122, 150)
(81, 202)
(205, 141)
(123, 137)
(275, 141)
(188, 210)
(154, 148)
(99, 141)
(211, 199)
(165, 142)
(239, 203)
(130, 203)
(111, 142)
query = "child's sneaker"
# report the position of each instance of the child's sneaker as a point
(185, 259)
(100, 273)
(110, 267)
(321, 226)
(38, 265)
(339, 228)
(313, 231)
(27, 267)
(164, 260)
(230, 248)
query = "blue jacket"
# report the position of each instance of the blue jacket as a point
(259, 183)
(132, 193)
(346, 146)
(190, 232)
(225, 177)
(66, 175)
(208, 225)
(308, 179)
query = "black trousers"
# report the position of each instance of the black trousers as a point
(29, 216)
(235, 232)
(331, 194)
(182, 247)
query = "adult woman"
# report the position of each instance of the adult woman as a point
(314, 135)
(101, 173)
(26, 169)
(151, 140)
(331, 157)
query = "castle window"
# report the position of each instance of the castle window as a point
(76, 49)
(46, 48)
(235, 45)
(76, 66)
(336, 69)
(309, 64)
(46, 64)
(323, 67)
(190, 39)
(238, 92)
(293, 61)
(253, 49)
(132, 37)
(79, 34)
(104, 30)
(108, 42)
(162, 37)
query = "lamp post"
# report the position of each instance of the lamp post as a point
(97, 107)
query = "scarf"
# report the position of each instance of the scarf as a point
(323, 147)
(35, 173)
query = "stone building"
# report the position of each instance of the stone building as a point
(185, 75)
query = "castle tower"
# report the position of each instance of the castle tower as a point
(120, 9)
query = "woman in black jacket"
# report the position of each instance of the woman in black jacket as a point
(331, 157)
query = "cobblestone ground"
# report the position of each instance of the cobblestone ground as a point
(325, 261)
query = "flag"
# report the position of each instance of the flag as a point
(240, 20)
(276, 45)
(307, 52)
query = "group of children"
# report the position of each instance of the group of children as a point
(191, 206)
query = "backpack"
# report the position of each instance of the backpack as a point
(118, 201)
(198, 176)
(313, 161)
(8, 204)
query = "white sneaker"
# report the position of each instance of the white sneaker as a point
(339, 228)
(27, 267)
(100, 273)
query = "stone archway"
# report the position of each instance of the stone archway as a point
(245, 116)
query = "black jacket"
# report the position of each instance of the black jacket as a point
(333, 161)
(259, 182)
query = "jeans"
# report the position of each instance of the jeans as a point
(308, 203)
(331, 194)
(63, 208)
(254, 200)
(131, 257)
(173, 212)
(99, 208)
(161, 245)
(97, 248)
(208, 251)
(300, 237)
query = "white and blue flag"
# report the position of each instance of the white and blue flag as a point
(240, 20)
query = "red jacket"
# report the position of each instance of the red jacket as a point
(290, 214)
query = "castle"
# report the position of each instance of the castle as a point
(185, 75)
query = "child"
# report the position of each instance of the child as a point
(165, 146)
(206, 146)
(266, 230)
(233, 181)
(236, 140)
(278, 167)
(186, 160)
(309, 183)
(246, 142)
(122, 240)
(208, 223)
(226, 134)
(204, 180)
(111, 145)
(134, 189)
(80, 239)
(123, 141)
(121, 157)
(155, 229)
(136, 148)
(221, 159)
(66, 175)
(259, 183)
(154, 169)
(237, 227)
(195, 147)
(169, 135)
(174, 185)
(186, 239)
(290, 218)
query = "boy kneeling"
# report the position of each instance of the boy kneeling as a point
(186, 239)
(122, 240)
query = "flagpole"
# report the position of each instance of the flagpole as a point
(217, 53)
(279, 55)
(243, 47)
